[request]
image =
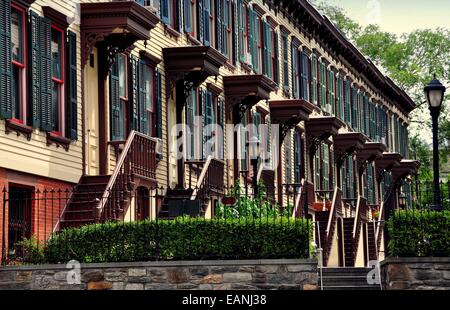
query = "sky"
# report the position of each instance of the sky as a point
(398, 16)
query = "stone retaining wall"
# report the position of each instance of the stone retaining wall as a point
(416, 273)
(222, 275)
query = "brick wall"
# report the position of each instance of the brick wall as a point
(47, 202)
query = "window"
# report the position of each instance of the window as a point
(118, 97)
(188, 16)
(222, 26)
(57, 54)
(304, 85)
(284, 45)
(18, 63)
(147, 89)
(204, 21)
(339, 97)
(167, 12)
(191, 114)
(208, 119)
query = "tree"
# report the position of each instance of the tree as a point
(410, 61)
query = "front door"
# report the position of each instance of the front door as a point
(19, 218)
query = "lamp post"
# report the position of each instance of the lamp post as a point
(253, 145)
(434, 93)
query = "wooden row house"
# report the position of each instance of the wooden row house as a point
(91, 92)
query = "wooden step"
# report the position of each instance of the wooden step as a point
(90, 179)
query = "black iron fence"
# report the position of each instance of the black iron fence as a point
(269, 222)
(415, 194)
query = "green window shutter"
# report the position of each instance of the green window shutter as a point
(46, 74)
(276, 65)
(218, 22)
(72, 84)
(351, 182)
(241, 25)
(294, 66)
(296, 157)
(243, 142)
(339, 99)
(344, 180)
(269, 43)
(187, 15)
(35, 70)
(287, 159)
(200, 21)
(314, 79)
(284, 43)
(5, 60)
(265, 58)
(254, 38)
(331, 89)
(220, 122)
(133, 75)
(116, 113)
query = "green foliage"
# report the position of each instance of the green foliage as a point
(181, 239)
(32, 252)
(251, 207)
(419, 233)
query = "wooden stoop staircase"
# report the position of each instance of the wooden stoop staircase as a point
(194, 201)
(352, 231)
(327, 223)
(105, 197)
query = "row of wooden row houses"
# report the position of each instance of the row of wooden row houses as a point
(91, 90)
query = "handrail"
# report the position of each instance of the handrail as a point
(201, 178)
(299, 197)
(332, 212)
(380, 222)
(126, 154)
(357, 217)
(260, 170)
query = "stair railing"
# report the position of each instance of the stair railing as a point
(138, 157)
(360, 216)
(299, 198)
(335, 208)
(380, 225)
(211, 177)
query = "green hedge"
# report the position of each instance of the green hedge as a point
(419, 233)
(181, 239)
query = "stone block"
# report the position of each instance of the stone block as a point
(212, 279)
(247, 269)
(99, 285)
(178, 275)
(134, 286)
(6, 276)
(239, 286)
(421, 274)
(24, 276)
(298, 268)
(267, 268)
(161, 286)
(199, 271)
(310, 287)
(137, 272)
(236, 277)
(223, 269)
(187, 286)
(116, 276)
(399, 272)
(92, 276)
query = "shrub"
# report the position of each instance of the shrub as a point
(419, 233)
(181, 239)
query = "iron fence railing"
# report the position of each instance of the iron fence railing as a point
(37, 215)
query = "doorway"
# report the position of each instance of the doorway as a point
(142, 204)
(19, 218)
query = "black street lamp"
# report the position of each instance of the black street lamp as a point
(434, 93)
(253, 145)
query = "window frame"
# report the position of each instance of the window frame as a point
(151, 115)
(60, 81)
(22, 67)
